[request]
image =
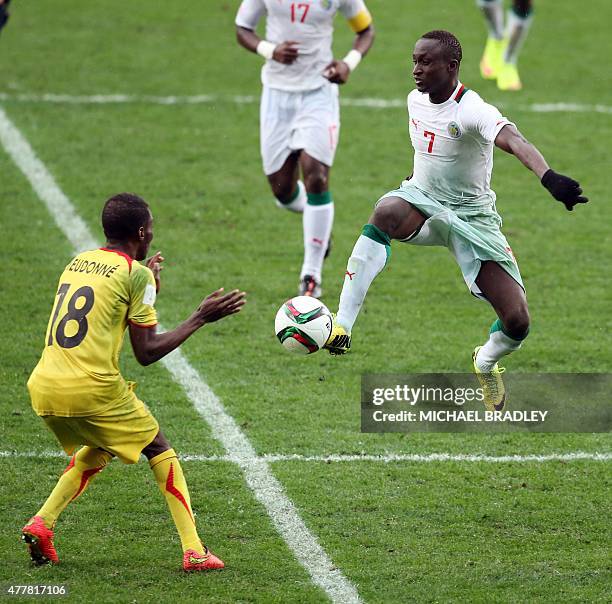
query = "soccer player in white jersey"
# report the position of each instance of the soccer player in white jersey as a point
(299, 114)
(448, 201)
(503, 46)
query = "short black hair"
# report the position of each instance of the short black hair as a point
(450, 44)
(123, 215)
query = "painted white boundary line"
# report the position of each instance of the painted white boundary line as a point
(266, 488)
(198, 99)
(384, 458)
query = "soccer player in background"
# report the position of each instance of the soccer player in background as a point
(78, 390)
(503, 47)
(299, 112)
(4, 14)
(448, 201)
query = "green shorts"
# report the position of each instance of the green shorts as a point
(471, 233)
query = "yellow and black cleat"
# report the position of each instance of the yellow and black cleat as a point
(339, 341)
(492, 385)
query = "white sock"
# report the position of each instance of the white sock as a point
(493, 12)
(516, 33)
(497, 346)
(318, 221)
(367, 259)
(297, 204)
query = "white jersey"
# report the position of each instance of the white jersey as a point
(308, 22)
(453, 146)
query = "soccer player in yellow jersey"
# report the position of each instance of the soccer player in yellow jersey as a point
(78, 390)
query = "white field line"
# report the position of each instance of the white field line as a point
(384, 458)
(258, 475)
(198, 99)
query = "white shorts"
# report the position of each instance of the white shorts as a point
(292, 121)
(472, 235)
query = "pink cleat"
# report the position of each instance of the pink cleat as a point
(39, 539)
(194, 561)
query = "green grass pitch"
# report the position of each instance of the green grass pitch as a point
(400, 531)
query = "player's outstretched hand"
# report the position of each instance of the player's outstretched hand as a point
(337, 72)
(218, 305)
(286, 52)
(154, 263)
(563, 189)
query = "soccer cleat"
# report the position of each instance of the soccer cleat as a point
(339, 342)
(492, 385)
(39, 539)
(195, 561)
(492, 58)
(508, 77)
(309, 287)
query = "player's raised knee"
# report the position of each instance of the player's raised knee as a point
(516, 323)
(396, 217)
(387, 215)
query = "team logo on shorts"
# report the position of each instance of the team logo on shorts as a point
(454, 130)
(326, 4)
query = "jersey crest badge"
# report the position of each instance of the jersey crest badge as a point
(326, 4)
(454, 130)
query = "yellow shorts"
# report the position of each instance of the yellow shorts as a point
(123, 431)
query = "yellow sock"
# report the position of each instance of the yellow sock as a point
(171, 481)
(85, 464)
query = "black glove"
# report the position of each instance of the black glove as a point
(563, 189)
(4, 14)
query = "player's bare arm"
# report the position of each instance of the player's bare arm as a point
(338, 72)
(285, 52)
(512, 141)
(150, 346)
(562, 188)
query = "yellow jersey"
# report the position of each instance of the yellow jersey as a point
(99, 293)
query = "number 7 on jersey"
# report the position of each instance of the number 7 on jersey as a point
(427, 134)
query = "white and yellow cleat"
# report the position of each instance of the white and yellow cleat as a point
(508, 77)
(492, 385)
(339, 341)
(492, 58)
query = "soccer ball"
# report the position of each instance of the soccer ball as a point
(303, 325)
